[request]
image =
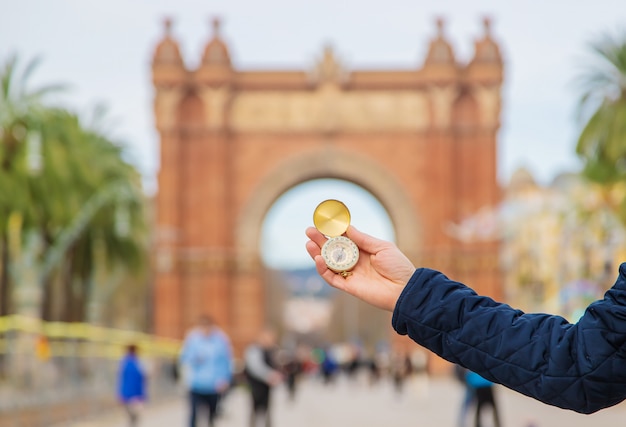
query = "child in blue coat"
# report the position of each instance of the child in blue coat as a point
(131, 384)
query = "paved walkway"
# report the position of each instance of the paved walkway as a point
(432, 403)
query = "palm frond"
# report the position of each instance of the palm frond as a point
(28, 71)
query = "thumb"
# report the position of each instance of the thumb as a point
(366, 242)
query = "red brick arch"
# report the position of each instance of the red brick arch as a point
(422, 141)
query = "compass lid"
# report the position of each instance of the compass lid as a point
(331, 218)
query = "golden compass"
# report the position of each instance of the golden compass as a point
(332, 218)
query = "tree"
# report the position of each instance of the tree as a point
(20, 110)
(67, 188)
(602, 106)
(87, 188)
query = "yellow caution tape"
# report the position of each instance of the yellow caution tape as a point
(61, 339)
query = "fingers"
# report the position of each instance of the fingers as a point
(315, 235)
(332, 278)
(314, 245)
(366, 242)
(313, 249)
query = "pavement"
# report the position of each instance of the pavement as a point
(423, 402)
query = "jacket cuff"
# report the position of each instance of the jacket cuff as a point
(413, 282)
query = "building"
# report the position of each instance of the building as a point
(422, 140)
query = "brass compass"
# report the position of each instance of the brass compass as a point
(332, 218)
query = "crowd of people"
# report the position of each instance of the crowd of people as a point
(206, 367)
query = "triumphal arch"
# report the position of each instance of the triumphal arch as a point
(422, 140)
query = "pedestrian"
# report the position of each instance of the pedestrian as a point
(373, 368)
(173, 370)
(419, 367)
(577, 366)
(483, 390)
(292, 368)
(131, 388)
(400, 370)
(469, 397)
(353, 364)
(329, 366)
(207, 359)
(262, 374)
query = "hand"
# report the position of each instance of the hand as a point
(222, 386)
(275, 378)
(379, 276)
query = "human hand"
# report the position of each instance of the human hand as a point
(275, 378)
(222, 386)
(378, 277)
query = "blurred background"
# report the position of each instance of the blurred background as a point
(161, 160)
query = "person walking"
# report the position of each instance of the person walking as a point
(292, 368)
(206, 357)
(262, 374)
(400, 369)
(329, 366)
(131, 388)
(577, 366)
(483, 392)
(469, 397)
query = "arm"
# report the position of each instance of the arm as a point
(141, 373)
(226, 361)
(256, 366)
(580, 367)
(574, 366)
(185, 355)
(121, 373)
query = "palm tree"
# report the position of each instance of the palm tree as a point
(79, 191)
(60, 183)
(602, 105)
(20, 111)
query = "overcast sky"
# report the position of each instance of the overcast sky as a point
(102, 50)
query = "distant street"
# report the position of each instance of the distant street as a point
(434, 403)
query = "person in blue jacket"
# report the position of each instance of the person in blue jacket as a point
(579, 366)
(207, 358)
(131, 384)
(482, 389)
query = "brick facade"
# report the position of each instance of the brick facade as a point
(423, 141)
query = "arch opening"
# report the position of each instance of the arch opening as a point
(283, 239)
(298, 301)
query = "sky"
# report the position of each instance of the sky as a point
(282, 237)
(102, 51)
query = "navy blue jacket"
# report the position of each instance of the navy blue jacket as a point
(579, 366)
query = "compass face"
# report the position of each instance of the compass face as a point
(340, 254)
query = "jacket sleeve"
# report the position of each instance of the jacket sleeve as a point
(579, 366)
(256, 365)
(226, 360)
(185, 353)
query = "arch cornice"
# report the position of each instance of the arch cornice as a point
(329, 163)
